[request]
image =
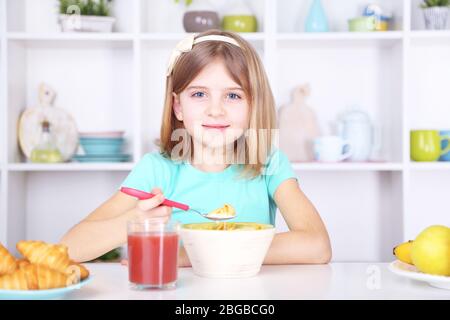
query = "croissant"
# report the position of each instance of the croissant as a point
(52, 256)
(33, 277)
(78, 270)
(22, 263)
(7, 261)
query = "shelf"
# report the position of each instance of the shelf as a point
(74, 166)
(426, 37)
(75, 39)
(430, 166)
(434, 34)
(347, 166)
(157, 36)
(332, 39)
(71, 166)
(61, 36)
(388, 35)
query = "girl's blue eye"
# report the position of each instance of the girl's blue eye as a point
(199, 94)
(233, 96)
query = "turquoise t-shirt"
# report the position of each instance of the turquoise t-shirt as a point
(206, 191)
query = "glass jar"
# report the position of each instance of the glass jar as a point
(46, 150)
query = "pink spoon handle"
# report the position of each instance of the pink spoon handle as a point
(141, 195)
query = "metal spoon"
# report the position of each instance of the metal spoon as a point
(142, 195)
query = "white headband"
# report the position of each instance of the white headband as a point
(187, 43)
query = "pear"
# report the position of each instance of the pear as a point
(430, 251)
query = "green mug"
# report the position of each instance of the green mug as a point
(240, 23)
(362, 24)
(426, 145)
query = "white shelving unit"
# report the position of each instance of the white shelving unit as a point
(116, 81)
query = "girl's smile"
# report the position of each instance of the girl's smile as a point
(220, 127)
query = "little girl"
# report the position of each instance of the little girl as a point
(217, 146)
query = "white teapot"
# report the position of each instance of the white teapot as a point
(356, 127)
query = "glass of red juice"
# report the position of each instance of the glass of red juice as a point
(153, 246)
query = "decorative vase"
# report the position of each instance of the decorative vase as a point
(317, 19)
(239, 18)
(436, 18)
(200, 17)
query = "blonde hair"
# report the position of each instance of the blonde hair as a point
(246, 69)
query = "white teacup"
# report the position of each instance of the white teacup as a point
(331, 149)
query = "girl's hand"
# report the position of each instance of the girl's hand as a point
(151, 208)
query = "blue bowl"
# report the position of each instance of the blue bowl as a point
(101, 140)
(102, 158)
(102, 148)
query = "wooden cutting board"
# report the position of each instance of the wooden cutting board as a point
(62, 125)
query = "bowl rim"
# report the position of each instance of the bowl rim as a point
(182, 227)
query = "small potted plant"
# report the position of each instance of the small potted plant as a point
(85, 16)
(435, 13)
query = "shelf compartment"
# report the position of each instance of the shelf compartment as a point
(417, 18)
(43, 210)
(291, 15)
(367, 205)
(427, 194)
(42, 16)
(167, 16)
(75, 73)
(373, 81)
(428, 79)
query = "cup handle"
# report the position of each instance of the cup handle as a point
(349, 152)
(447, 149)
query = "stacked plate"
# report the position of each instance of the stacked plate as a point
(102, 147)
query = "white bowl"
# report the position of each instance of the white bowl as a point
(226, 253)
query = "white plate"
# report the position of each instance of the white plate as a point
(41, 294)
(408, 271)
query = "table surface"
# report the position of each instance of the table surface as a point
(332, 281)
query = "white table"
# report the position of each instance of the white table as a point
(333, 281)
